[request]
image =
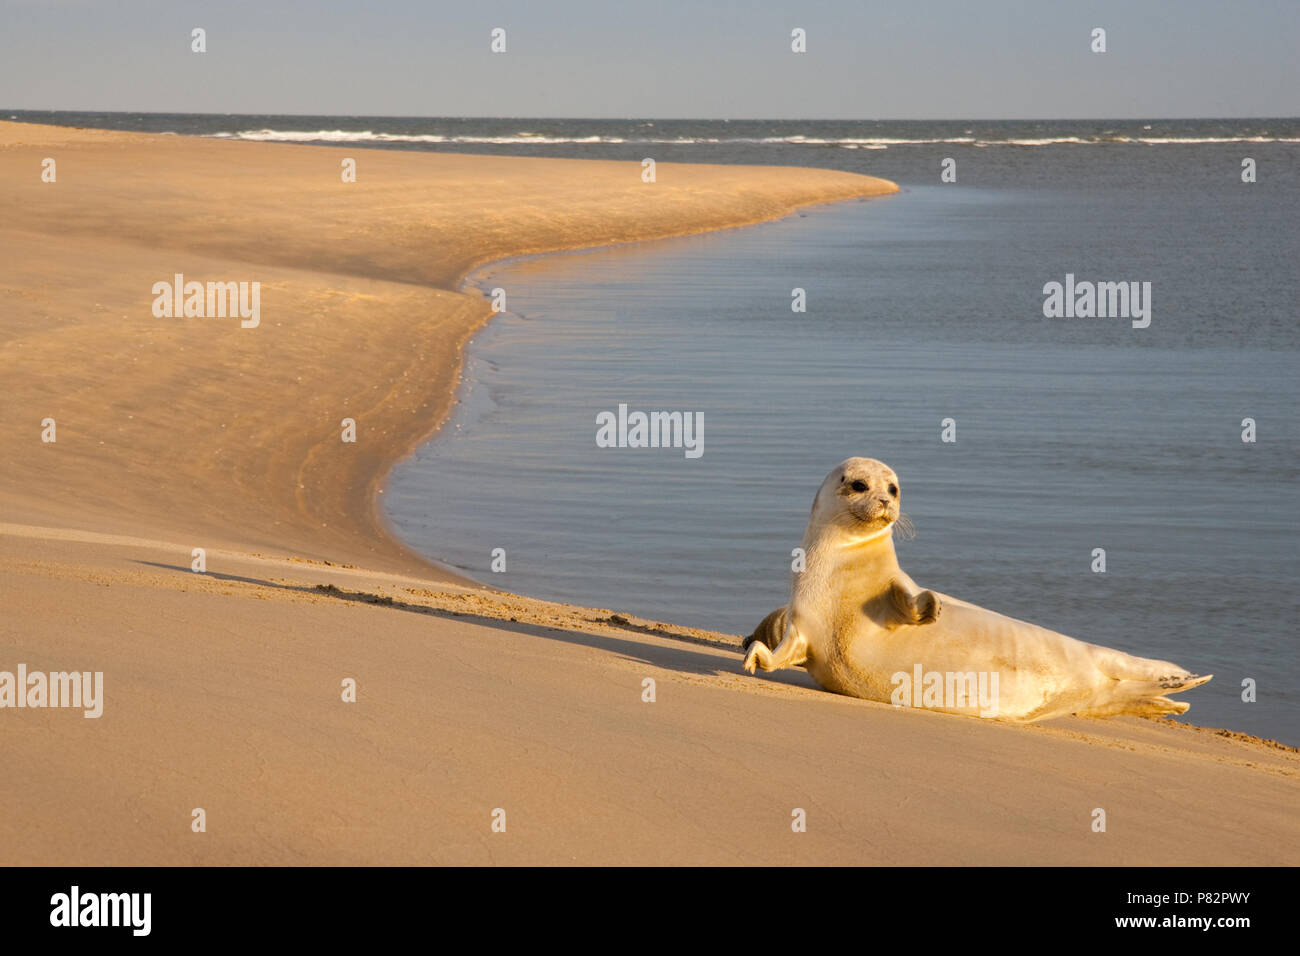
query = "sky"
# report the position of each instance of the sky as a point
(706, 59)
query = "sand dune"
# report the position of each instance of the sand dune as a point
(223, 692)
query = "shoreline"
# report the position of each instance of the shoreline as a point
(222, 688)
(466, 285)
(707, 202)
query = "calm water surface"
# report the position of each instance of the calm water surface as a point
(1071, 434)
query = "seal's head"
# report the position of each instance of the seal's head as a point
(860, 497)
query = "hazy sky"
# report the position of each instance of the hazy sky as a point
(867, 59)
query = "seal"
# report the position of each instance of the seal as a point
(862, 627)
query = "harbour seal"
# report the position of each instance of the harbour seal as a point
(862, 627)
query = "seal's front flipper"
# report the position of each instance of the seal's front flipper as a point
(791, 652)
(916, 605)
(770, 631)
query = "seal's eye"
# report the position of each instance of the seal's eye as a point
(859, 486)
(893, 490)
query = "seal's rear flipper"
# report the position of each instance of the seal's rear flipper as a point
(1162, 685)
(1148, 696)
(1157, 706)
(1174, 685)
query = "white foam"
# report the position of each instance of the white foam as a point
(528, 137)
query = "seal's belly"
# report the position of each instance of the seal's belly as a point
(954, 665)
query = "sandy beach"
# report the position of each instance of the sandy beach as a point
(222, 689)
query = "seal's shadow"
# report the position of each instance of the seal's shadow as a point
(721, 662)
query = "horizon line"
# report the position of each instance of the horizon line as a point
(679, 119)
